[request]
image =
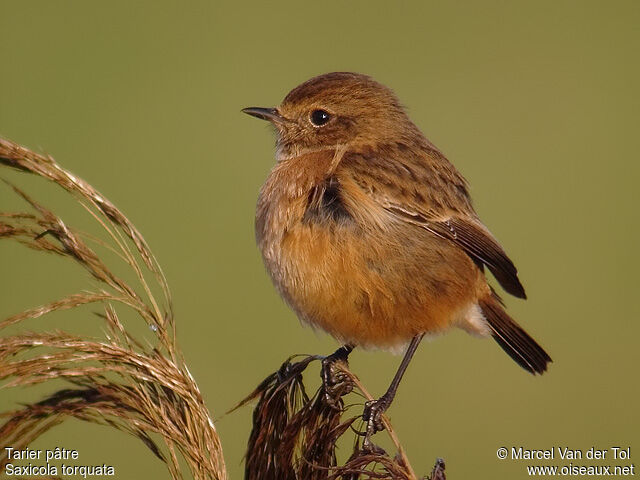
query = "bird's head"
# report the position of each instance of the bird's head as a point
(336, 109)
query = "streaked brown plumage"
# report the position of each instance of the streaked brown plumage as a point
(368, 231)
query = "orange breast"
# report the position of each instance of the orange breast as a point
(372, 291)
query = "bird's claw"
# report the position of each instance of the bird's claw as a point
(369, 447)
(372, 415)
(336, 383)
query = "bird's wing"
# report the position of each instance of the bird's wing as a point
(437, 200)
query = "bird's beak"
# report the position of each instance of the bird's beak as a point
(270, 114)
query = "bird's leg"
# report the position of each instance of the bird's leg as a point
(334, 381)
(374, 409)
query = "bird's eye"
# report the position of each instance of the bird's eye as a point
(319, 118)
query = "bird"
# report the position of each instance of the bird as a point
(368, 231)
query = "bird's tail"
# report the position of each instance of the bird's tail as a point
(513, 339)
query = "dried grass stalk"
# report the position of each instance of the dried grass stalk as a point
(294, 435)
(119, 380)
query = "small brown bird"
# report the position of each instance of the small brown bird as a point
(368, 231)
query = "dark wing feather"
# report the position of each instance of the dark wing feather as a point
(479, 244)
(420, 194)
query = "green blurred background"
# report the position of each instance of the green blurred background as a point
(535, 102)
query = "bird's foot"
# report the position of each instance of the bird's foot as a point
(372, 415)
(335, 382)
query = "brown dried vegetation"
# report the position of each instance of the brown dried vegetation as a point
(295, 435)
(121, 381)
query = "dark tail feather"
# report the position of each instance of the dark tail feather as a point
(513, 339)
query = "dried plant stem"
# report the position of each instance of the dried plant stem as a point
(294, 435)
(385, 420)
